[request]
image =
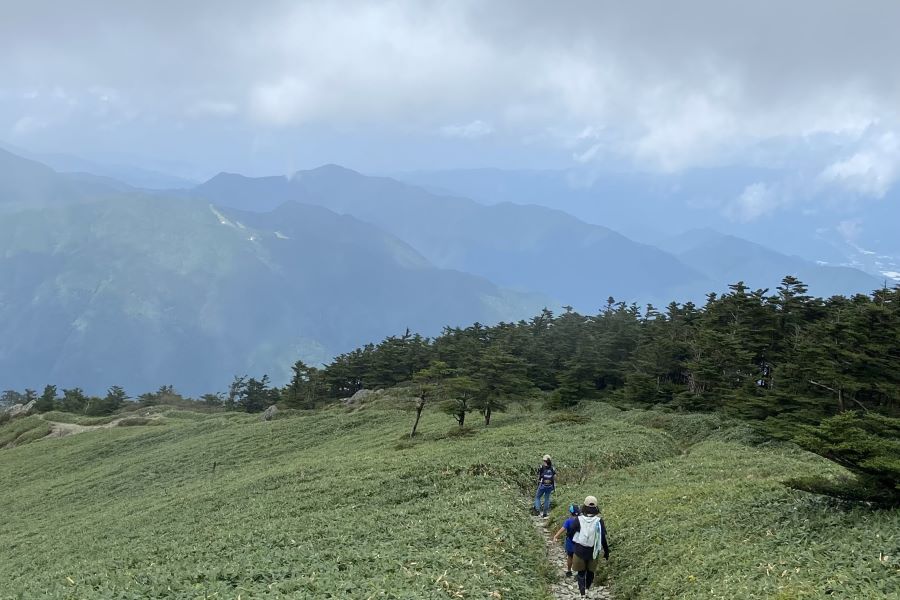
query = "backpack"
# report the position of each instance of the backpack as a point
(548, 476)
(590, 533)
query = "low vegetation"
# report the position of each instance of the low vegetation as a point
(327, 504)
(23, 430)
(785, 363)
(57, 416)
(756, 457)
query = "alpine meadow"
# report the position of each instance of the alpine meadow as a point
(449, 300)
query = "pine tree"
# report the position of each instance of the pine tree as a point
(257, 395)
(868, 445)
(47, 400)
(114, 399)
(501, 377)
(307, 387)
(462, 392)
(74, 400)
(427, 385)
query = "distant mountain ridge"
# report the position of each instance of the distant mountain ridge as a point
(139, 177)
(104, 283)
(27, 185)
(796, 216)
(140, 293)
(724, 257)
(524, 247)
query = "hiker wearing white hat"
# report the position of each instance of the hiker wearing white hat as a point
(546, 480)
(590, 542)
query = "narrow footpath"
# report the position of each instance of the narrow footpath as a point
(565, 588)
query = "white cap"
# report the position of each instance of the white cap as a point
(590, 501)
(546, 457)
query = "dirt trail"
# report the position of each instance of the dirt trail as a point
(565, 588)
(58, 430)
(63, 429)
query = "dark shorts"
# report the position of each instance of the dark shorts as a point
(570, 547)
(579, 564)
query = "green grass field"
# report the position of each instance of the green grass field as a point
(336, 504)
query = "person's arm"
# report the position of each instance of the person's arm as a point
(603, 540)
(558, 533)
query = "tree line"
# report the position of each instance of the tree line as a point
(822, 372)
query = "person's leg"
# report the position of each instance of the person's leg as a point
(588, 579)
(569, 565)
(579, 566)
(547, 500)
(537, 498)
(581, 582)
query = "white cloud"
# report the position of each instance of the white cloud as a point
(389, 63)
(284, 102)
(589, 154)
(472, 130)
(850, 229)
(668, 85)
(757, 200)
(872, 170)
(27, 125)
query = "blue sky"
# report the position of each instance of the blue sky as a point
(387, 86)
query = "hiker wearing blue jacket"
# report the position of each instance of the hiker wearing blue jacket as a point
(569, 528)
(590, 542)
(546, 480)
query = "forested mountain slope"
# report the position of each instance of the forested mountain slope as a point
(137, 291)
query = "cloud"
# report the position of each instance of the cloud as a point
(670, 85)
(27, 125)
(756, 201)
(850, 229)
(870, 171)
(475, 129)
(589, 154)
(287, 101)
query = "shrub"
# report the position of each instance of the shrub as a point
(868, 445)
(14, 432)
(568, 417)
(35, 433)
(63, 417)
(137, 421)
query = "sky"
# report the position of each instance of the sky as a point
(276, 86)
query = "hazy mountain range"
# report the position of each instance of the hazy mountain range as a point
(103, 283)
(790, 212)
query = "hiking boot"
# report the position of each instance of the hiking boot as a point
(568, 573)
(543, 515)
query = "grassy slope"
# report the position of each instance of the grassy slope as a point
(139, 513)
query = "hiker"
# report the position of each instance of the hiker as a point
(590, 541)
(546, 479)
(568, 528)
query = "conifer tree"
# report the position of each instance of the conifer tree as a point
(427, 384)
(47, 401)
(501, 378)
(461, 392)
